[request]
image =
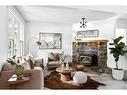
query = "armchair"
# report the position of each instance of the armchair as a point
(53, 60)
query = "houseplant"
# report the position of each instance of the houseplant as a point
(19, 69)
(64, 57)
(117, 50)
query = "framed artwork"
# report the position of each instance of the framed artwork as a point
(50, 40)
(88, 34)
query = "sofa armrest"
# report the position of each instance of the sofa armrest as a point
(4, 77)
(36, 79)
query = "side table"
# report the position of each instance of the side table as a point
(65, 73)
(13, 82)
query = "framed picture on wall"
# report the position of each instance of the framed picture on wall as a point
(88, 33)
(50, 40)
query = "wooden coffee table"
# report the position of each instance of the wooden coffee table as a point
(65, 73)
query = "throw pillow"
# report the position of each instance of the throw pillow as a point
(30, 60)
(53, 57)
(26, 65)
(29, 56)
(30, 63)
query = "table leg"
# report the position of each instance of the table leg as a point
(65, 76)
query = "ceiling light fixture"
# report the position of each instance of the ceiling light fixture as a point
(83, 23)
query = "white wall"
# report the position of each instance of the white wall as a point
(3, 34)
(121, 23)
(34, 28)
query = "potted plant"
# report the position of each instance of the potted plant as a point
(64, 57)
(117, 51)
(19, 69)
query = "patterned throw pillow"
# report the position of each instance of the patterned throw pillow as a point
(26, 65)
(30, 60)
(53, 57)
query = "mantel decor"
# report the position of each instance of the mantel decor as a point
(50, 40)
(88, 33)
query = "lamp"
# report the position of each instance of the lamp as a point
(38, 43)
(83, 23)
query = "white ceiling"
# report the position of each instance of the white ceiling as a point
(69, 14)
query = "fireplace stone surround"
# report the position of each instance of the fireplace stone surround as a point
(100, 46)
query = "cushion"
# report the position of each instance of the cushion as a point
(30, 63)
(29, 56)
(53, 57)
(30, 60)
(37, 64)
(8, 66)
(26, 65)
(54, 62)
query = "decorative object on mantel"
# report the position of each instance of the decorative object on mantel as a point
(118, 50)
(83, 23)
(50, 40)
(87, 34)
(37, 42)
(19, 69)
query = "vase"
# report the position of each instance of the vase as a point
(67, 66)
(19, 71)
(62, 65)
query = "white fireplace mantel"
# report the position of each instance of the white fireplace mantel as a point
(92, 40)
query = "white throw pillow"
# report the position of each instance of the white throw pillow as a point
(26, 65)
(29, 56)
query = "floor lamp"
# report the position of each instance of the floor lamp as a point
(38, 43)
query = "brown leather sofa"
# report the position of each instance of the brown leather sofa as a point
(36, 78)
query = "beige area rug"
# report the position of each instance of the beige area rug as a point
(53, 82)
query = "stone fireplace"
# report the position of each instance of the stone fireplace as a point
(90, 53)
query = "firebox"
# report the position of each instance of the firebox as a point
(87, 58)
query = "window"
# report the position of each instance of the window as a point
(16, 35)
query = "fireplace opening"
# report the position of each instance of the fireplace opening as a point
(87, 58)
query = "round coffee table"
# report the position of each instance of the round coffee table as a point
(65, 73)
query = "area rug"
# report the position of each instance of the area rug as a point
(53, 82)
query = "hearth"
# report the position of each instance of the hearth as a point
(87, 58)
